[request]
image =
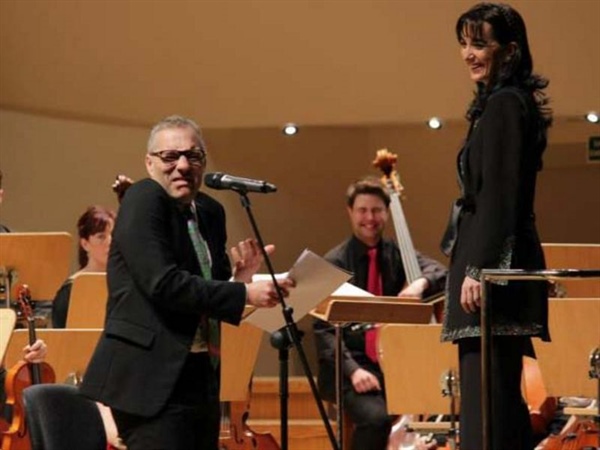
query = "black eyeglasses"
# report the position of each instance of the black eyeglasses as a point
(195, 156)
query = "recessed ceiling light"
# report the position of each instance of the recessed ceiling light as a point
(592, 117)
(290, 129)
(435, 123)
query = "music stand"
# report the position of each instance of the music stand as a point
(488, 276)
(8, 319)
(87, 304)
(580, 256)
(339, 310)
(239, 350)
(40, 260)
(416, 382)
(575, 332)
(69, 351)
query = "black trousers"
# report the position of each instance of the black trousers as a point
(511, 426)
(368, 412)
(190, 420)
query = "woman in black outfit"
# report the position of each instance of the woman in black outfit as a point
(493, 223)
(94, 229)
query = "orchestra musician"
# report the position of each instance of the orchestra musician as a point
(364, 388)
(156, 364)
(35, 353)
(493, 223)
(94, 229)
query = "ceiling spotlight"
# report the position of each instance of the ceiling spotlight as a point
(592, 117)
(290, 129)
(435, 123)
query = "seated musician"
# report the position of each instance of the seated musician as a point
(94, 228)
(364, 397)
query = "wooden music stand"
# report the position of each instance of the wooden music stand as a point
(87, 305)
(40, 260)
(69, 351)
(339, 310)
(575, 331)
(8, 319)
(345, 309)
(576, 256)
(415, 359)
(239, 350)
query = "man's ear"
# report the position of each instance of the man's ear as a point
(149, 163)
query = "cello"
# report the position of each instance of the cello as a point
(22, 375)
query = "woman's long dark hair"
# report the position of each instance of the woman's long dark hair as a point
(94, 220)
(507, 26)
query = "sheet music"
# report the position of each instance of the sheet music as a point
(349, 290)
(315, 279)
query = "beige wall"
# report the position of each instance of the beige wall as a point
(54, 168)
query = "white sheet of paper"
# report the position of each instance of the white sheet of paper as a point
(315, 279)
(349, 290)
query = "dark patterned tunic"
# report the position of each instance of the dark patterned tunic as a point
(495, 228)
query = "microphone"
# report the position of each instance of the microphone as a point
(219, 180)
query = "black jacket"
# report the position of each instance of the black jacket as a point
(156, 299)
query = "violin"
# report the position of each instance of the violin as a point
(21, 376)
(235, 434)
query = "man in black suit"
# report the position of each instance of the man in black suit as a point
(167, 285)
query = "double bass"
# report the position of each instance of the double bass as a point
(386, 162)
(21, 376)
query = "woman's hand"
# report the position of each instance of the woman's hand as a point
(470, 295)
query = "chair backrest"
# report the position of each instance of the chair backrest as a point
(59, 418)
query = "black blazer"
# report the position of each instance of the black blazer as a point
(496, 228)
(156, 299)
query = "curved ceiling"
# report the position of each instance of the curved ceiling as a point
(254, 63)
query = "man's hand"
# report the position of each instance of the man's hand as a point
(263, 294)
(415, 289)
(35, 353)
(247, 258)
(470, 295)
(364, 381)
(121, 184)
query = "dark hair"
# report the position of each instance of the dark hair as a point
(369, 186)
(1, 175)
(94, 220)
(507, 27)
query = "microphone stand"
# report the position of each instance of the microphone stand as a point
(294, 335)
